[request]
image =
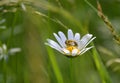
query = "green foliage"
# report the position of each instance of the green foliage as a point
(27, 25)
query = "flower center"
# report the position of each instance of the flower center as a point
(71, 44)
(70, 48)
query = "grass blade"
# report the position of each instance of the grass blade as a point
(54, 65)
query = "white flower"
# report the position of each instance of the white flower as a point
(4, 52)
(72, 45)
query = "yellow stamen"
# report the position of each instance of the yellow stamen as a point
(70, 48)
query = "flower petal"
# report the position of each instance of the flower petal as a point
(59, 40)
(4, 47)
(1, 56)
(77, 36)
(89, 41)
(74, 52)
(70, 34)
(14, 50)
(67, 52)
(84, 41)
(54, 45)
(85, 49)
(1, 50)
(62, 36)
(5, 57)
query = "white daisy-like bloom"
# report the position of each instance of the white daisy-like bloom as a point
(71, 46)
(4, 52)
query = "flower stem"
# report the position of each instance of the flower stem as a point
(55, 65)
(71, 70)
(4, 71)
(105, 78)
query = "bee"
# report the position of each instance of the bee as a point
(71, 43)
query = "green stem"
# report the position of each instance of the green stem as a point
(4, 71)
(101, 68)
(10, 41)
(71, 70)
(91, 6)
(55, 65)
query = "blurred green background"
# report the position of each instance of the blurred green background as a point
(28, 23)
